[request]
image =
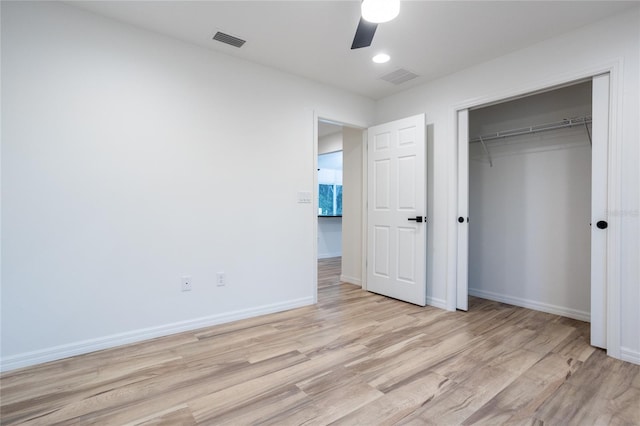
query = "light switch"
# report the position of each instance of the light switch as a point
(304, 197)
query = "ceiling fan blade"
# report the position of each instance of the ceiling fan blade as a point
(364, 34)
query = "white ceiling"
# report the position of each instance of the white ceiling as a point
(313, 38)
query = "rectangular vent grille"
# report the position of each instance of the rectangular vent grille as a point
(229, 39)
(399, 76)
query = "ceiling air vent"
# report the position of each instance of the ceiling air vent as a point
(229, 39)
(399, 76)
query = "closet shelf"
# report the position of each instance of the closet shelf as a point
(569, 122)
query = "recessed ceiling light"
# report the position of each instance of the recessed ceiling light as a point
(381, 58)
(379, 11)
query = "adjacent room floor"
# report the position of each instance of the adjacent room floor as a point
(354, 358)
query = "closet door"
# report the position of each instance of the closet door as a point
(462, 271)
(599, 175)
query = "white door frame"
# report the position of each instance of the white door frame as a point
(614, 237)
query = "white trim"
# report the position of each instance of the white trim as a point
(351, 280)
(314, 207)
(437, 303)
(614, 193)
(614, 236)
(452, 214)
(532, 304)
(329, 255)
(629, 355)
(365, 206)
(91, 345)
(552, 83)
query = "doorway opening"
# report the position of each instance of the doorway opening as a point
(338, 196)
(330, 185)
(532, 179)
(530, 201)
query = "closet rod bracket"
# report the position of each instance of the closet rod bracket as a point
(486, 150)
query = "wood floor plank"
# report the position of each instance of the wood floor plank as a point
(460, 401)
(521, 398)
(398, 403)
(353, 358)
(210, 406)
(180, 415)
(337, 393)
(575, 346)
(264, 409)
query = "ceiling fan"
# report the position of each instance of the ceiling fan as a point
(374, 12)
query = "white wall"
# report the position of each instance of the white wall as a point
(330, 143)
(529, 233)
(130, 159)
(352, 206)
(329, 237)
(588, 50)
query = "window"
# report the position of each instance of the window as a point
(330, 200)
(330, 184)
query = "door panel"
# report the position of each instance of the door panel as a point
(397, 193)
(407, 174)
(462, 278)
(381, 184)
(381, 257)
(406, 257)
(599, 149)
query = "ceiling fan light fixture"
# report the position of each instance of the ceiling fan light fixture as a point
(379, 11)
(381, 58)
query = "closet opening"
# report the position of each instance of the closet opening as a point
(530, 201)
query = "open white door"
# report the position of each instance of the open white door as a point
(396, 229)
(462, 271)
(599, 167)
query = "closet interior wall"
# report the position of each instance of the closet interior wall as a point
(529, 231)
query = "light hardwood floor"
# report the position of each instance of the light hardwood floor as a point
(354, 358)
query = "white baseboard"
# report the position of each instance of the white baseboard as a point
(329, 255)
(630, 355)
(532, 304)
(78, 348)
(351, 280)
(437, 303)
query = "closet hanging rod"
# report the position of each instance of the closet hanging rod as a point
(569, 122)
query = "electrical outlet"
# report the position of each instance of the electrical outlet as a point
(221, 279)
(186, 283)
